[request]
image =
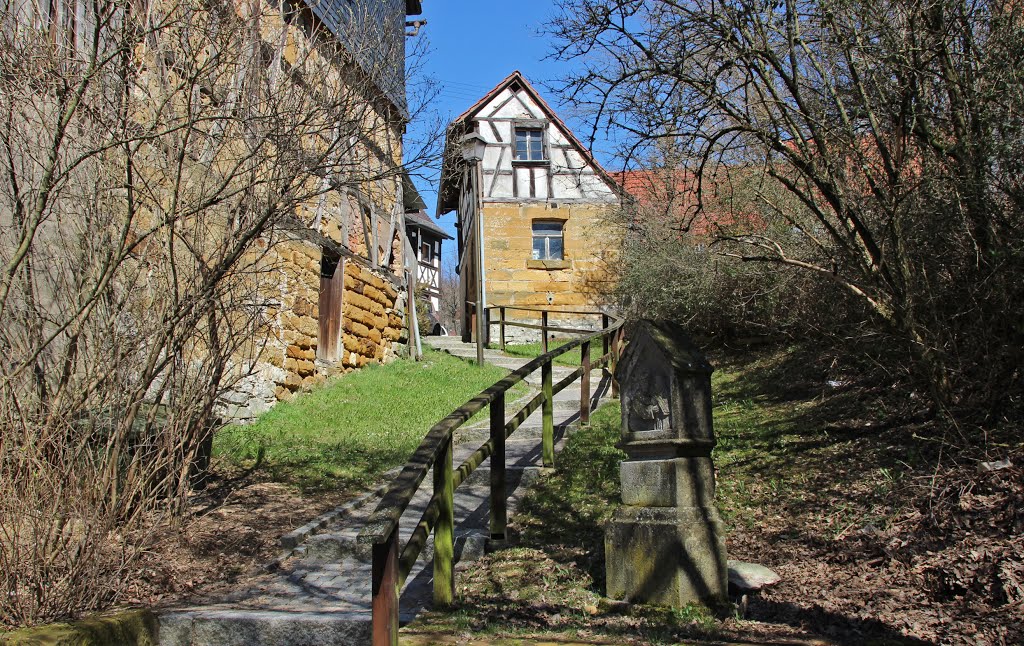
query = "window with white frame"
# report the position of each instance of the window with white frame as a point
(547, 240)
(530, 144)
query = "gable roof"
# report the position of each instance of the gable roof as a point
(671, 195)
(459, 127)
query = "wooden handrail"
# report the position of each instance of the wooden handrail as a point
(392, 563)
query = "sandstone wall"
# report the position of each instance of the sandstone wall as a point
(581, 281)
(361, 215)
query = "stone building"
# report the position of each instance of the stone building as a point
(530, 202)
(285, 116)
(339, 294)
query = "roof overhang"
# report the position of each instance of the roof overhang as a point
(411, 198)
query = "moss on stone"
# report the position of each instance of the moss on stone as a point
(132, 628)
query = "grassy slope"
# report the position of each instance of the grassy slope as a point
(357, 426)
(549, 585)
(531, 350)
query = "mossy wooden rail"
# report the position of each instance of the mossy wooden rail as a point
(392, 562)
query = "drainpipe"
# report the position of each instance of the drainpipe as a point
(480, 240)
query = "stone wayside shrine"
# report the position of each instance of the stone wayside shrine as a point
(666, 544)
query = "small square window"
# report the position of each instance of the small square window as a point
(547, 241)
(529, 144)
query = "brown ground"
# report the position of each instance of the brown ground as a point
(230, 534)
(882, 525)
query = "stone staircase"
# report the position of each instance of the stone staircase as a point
(318, 591)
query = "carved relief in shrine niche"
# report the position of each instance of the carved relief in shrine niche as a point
(649, 407)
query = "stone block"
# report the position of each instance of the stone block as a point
(367, 276)
(304, 367)
(374, 294)
(374, 335)
(305, 325)
(350, 342)
(360, 301)
(353, 284)
(352, 269)
(391, 292)
(357, 314)
(302, 307)
(676, 482)
(376, 309)
(292, 381)
(666, 556)
(380, 322)
(367, 348)
(356, 328)
(295, 352)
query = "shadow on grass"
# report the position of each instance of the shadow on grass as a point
(784, 427)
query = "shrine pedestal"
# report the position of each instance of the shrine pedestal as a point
(666, 544)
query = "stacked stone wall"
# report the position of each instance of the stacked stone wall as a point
(373, 328)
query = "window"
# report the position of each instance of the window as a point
(529, 144)
(547, 241)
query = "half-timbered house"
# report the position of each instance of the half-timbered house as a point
(531, 205)
(425, 239)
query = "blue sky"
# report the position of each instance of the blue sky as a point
(474, 44)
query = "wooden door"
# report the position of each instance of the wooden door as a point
(332, 282)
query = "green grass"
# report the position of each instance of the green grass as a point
(531, 350)
(357, 426)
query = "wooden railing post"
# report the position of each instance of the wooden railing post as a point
(548, 413)
(616, 349)
(444, 530)
(604, 337)
(384, 586)
(544, 331)
(585, 383)
(501, 326)
(499, 513)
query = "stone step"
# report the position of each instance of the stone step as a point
(258, 627)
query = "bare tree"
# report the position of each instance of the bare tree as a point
(882, 137)
(151, 157)
(448, 312)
